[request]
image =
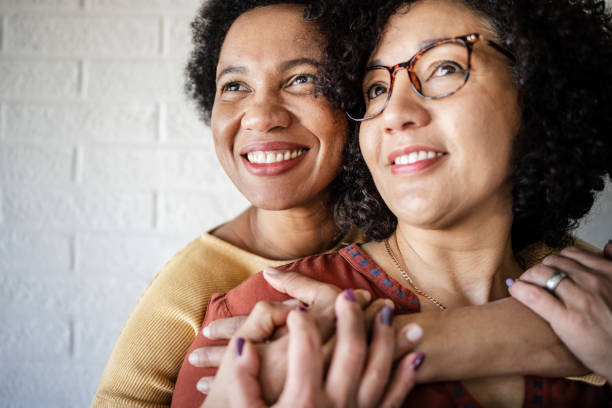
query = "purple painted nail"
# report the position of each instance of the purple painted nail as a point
(418, 361)
(386, 316)
(239, 346)
(509, 282)
(300, 309)
(350, 295)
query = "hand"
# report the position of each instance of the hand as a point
(580, 309)
(266, 318)
(305, 385)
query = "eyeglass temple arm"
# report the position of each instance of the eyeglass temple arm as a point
(502, 49)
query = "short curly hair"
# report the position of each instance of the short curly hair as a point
(209, 28)
(563, 150)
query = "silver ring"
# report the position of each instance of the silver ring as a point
(555, 280)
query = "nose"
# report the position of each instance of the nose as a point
(265, 114)
(405, 109)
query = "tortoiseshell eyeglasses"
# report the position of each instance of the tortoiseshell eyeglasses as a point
(438, 70)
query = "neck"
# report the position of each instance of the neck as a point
(462, 265)
(282, 235)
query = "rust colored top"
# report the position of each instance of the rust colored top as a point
(352, 268)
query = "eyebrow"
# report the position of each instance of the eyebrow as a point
(232, 69)
(420, 46)
(285, 66)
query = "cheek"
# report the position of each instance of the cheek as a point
(368, 145)
(224, 124)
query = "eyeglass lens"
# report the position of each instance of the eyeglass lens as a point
(437, 72)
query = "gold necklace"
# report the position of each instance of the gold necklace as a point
(409, 279)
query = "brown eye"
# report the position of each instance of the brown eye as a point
(302, 79)
(446, 68)
(374, 91)
(234, 87)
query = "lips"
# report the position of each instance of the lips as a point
(413, 159)
(272, 158)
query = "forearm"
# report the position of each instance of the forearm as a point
(499, 338)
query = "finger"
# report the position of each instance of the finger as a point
(403, 380)
(305, 361)
(586, 278)
(350, 352)
(263, 320)
(407, 339)
(539, 300)
(539, 274)
(223, 329)
(207, 356)
(204, 384)
(380, 360)
(328, 351)
(372, 311)
(245, 368)
(589, 259)
(307, 290)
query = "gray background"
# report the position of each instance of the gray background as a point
(105, 172)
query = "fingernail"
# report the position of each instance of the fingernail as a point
(418, 361)
(194, 358)
(509, 282)
(239, 346)
(270, 271)
(300, 309)
(414, 333)
(367, 295)
(203, 385)
(206, 332)
(349, 295)
(386, 316)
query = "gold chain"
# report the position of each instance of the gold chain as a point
(409, 279)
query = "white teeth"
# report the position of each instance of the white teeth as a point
(276, 156)
(416, 156)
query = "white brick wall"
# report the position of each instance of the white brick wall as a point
(105, 172)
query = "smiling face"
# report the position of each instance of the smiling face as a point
(279, 143)
(436, 162)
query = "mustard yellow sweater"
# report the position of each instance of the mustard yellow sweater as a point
(148, 354)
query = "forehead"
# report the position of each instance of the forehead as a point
(267, 35)
(411, 27)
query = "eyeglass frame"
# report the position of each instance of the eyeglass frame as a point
(468, 40)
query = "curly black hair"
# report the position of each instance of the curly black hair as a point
(563, 151)
(209, 28)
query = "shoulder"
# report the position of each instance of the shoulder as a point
(535, 253)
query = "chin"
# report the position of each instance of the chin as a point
(276, 203)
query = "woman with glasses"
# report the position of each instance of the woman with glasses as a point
(484, 127)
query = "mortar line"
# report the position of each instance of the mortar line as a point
(77, 165)
(162, 122)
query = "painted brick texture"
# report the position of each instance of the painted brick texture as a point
(98, 151)
(105, 172)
